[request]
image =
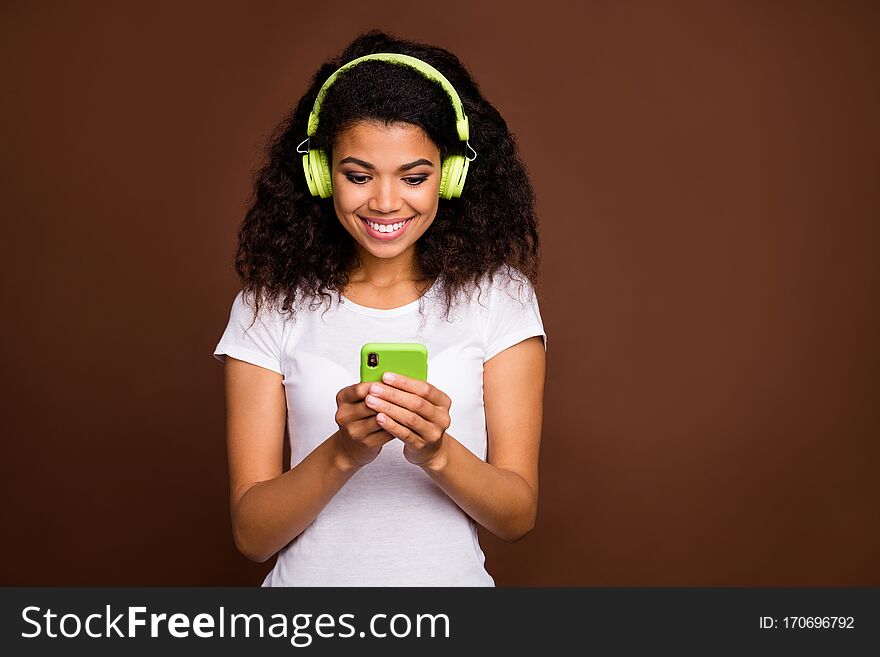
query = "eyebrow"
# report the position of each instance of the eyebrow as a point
(367, 165)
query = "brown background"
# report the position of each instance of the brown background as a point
(707, 185)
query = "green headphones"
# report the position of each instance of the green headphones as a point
(455, 167)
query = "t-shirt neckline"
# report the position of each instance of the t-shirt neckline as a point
(386, 312)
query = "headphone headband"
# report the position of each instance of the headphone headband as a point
(461, 121)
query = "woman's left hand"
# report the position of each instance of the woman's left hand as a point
(413, 411)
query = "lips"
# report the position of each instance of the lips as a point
(385, 237)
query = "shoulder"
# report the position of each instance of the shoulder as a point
(269, 314)
(511, 312)
(504, 285)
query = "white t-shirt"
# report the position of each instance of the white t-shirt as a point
(390, 524)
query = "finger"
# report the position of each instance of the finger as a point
(401, 416)
(408, 400)
(366, 428)
(360, 410)
(352, 411)
(353, 393)
(416, 386)
(397, 430)
(380, 436)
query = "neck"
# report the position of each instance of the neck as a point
(385, 272)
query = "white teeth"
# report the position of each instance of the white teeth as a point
(382, 228)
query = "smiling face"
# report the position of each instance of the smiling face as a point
(386, 182)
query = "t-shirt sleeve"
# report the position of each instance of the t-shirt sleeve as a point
(513, 314)
(259, 344)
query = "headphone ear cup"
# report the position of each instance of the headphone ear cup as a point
(307, 169)
(462, 175)
(321, 172)
(445, 176)
(452, 176)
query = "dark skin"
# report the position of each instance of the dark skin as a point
(366, 413)
(500, 493)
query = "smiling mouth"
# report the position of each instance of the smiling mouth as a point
(390, 230)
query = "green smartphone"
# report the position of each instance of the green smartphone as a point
(407, 358)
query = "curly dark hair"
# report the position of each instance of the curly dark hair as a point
(292, 242)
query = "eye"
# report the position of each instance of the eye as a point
(415, 182)
(358, 180)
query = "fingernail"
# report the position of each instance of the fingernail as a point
(388, 377)
(376, 389)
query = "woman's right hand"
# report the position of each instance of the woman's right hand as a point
(360, 437)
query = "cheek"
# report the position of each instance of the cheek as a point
(347, 198)
(426, 200)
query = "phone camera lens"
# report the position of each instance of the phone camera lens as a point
(372, 359)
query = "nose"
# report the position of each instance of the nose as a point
(386, 198)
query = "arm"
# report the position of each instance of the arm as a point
(269, 509)
(501, 493)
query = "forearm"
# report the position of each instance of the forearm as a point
(274, 512)
(500, 500)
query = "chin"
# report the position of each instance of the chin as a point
(385, 250)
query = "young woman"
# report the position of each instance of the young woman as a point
(400, 191)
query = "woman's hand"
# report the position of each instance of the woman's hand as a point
(360, 438)
(413, 411)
